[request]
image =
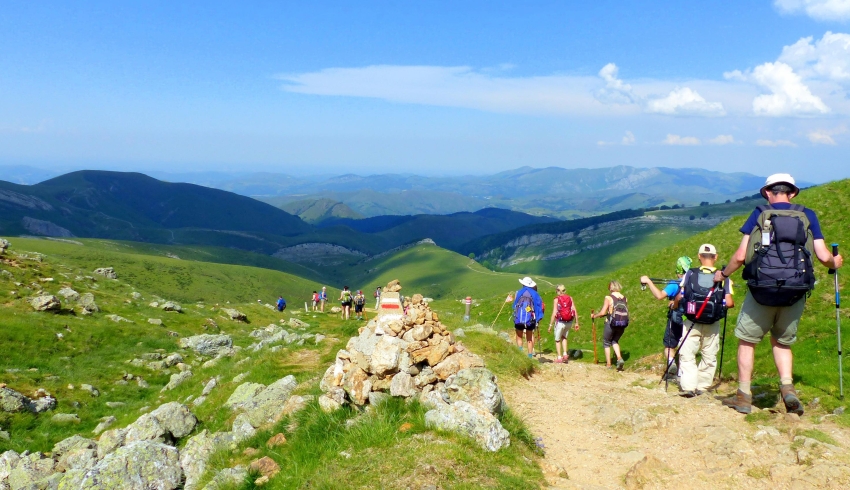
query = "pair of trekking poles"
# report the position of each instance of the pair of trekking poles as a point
(832, 272)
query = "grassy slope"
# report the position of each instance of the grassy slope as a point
(94, 350)
(815, 352)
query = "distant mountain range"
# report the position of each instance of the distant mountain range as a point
(552, 191)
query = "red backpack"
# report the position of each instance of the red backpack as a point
(565, 308)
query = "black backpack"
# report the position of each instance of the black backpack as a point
(619, 312)
(778, 266)
(701, 294)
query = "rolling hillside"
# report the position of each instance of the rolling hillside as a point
(319, 210)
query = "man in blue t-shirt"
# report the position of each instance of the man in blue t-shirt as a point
(755, 319)
(673, 331)
(281, 303)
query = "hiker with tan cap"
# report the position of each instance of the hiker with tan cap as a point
(705, 301)
(528, 313)
(776, 252)
(564, 318)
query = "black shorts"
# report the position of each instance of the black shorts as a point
(346, 304)
(358, 308)
(525, 326)
(672, 334)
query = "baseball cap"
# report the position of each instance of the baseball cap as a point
(779, 179)
(707, 249)
(683, 263)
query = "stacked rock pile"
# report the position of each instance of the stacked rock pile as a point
(411, 354)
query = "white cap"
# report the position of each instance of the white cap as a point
(779, 179)
(707, 249)
(527, 282)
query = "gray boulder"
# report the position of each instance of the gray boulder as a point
(478, 424)
(43, 404)
(75, 453)
(46, 302)
(402, 385)
(478, 387)
(107, 272)
(228, 478)
(242, 428)
(4, 244)
(31, 468)
(176, 419)
(207, 345)
(140, 465)
(8, 461)
(11, 401)
(69, 294)
(110, 441)
(171, 306)
(243, 396)
(87, 303)
(177, 380)
(105, 423)
(386, 356)
(197, 453)
(235, 314)
(262, 404)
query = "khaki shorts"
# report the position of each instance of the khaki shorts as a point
(562, 330)
(755, 320)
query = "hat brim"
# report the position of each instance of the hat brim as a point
(529, 284)
(764, 189)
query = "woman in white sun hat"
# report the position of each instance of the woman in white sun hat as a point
(528, 312)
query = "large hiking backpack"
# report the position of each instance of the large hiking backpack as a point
(700, 290)
(346, 296)
(619, 312)
(565, 308)
(524, 310)
(778, 268)
(359, 300)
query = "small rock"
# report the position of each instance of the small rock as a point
(171, 306)
(107, 272)
(91, 389)
(235, 314)
(46, 303)
(154, 321)
(250, 451)
(276, 440)
(105, 423)
(266, 466)
(118, 319)
(65, 418)
(177, 379)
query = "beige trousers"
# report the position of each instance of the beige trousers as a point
(704, 339)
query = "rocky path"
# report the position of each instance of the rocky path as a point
(607, 430)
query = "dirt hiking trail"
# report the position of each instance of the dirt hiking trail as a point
(601, 429)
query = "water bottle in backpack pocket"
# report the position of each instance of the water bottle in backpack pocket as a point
(778, 268)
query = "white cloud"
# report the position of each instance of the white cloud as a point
(615, 91)
(775, 143)
(685, 101)
(828, 58)
(824, 136)
(722, 139)
(629, 138)
(816, 9)
(675, 139)
(460, 86)
(790, 97)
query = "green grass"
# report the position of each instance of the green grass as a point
(819, 436)
(94, 350)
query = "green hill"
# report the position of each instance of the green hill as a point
(815, 353)
(318, 210)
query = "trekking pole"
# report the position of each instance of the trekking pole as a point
(722, 343)
(834, 272)
(593, 324)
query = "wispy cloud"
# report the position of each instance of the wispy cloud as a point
(628, 139)
(675, 139)
(722, 139)
(825, 136)
(775, 143)
(824, 10)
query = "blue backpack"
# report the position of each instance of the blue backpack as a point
(524, 310)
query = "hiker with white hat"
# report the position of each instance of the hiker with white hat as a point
(776, 253)
(705, 303)
(528, 312)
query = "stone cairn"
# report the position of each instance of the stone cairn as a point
(409, 353)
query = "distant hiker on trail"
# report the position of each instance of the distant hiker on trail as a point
(564, 318)
(615, 309)
(315, 299)
(378, 298)
(779, 240)
(359, 303)
(345, 298)
(281, 303)
(705, 302)
(323, 298)
(675, 312)
(528, 311)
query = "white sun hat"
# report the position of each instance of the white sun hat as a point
(779, 179)
(527, 282)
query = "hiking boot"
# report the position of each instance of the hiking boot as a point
(620, 364)
(789, 396)
(741, 402)
(673, 369)
(687, 394)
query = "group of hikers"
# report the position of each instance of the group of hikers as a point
(776, 252)
(347, 299)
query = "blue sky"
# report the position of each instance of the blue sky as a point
(426, 87)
